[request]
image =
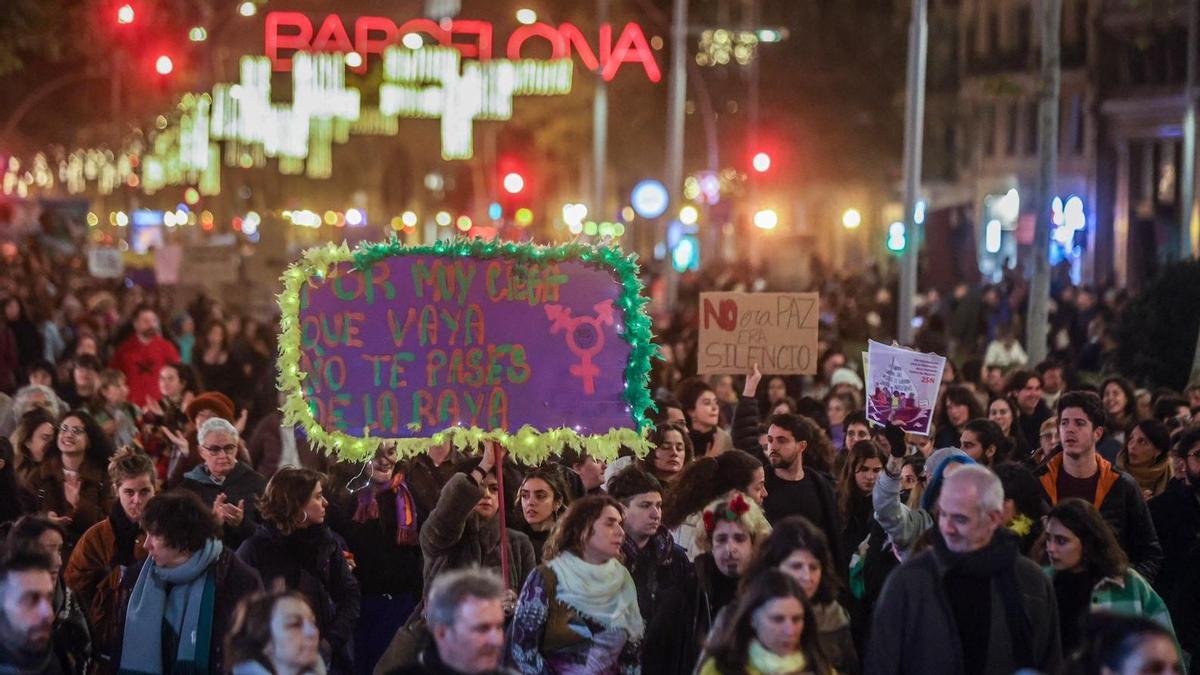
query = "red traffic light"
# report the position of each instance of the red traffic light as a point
(514, 183)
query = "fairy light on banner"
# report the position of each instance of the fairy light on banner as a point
(433, 82)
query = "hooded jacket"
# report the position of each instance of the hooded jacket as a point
(904, 526)
(1119, 500)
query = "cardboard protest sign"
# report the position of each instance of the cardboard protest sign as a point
(532, 346)
(210, 265)
(778, 331)
(105, 263)
(902, 386)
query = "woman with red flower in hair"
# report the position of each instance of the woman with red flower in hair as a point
(734, 526)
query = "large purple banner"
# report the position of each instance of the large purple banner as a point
(416, 344)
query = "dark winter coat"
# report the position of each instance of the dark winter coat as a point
(1176, 516)
(310, 561)
(241, 485)
(234, 581)
(684, 616)
(914, 629)
(1119, 499)
(454, 538)
(657, 568)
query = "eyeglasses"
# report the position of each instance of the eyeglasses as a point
(68, 429)
(218, 449)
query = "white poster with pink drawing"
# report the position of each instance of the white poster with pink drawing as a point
(902, 386)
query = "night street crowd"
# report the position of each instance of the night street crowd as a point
(157, 515)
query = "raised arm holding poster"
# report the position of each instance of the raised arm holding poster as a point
(777, 331)
(533, 347)
(902, 386)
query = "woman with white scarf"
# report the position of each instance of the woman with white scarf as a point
(578, 611)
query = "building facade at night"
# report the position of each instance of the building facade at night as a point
(1120, 134)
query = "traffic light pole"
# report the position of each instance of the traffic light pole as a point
(1036, 324)
(600, 129)
(914, 120)
(675, 124)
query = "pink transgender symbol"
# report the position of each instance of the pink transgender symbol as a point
(585, 339)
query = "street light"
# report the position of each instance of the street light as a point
(766, 219)
(761, 162)
(851, 219)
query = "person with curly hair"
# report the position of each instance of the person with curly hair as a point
(1091, 573)
(702, 481)
(94, 569)
(733, 528)
(293, 544)
(72, 487)
(177, 605)
(578, 610)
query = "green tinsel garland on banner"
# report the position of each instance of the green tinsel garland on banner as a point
(527, 445)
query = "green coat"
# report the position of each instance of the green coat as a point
(1130, 595)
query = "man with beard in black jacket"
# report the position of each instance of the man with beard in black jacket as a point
(971, 604)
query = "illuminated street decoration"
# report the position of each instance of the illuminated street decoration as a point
(433, 83)
(239, 125)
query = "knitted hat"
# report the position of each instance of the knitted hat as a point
(846, 376)
(214, 401)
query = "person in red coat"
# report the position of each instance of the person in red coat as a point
(142, 355)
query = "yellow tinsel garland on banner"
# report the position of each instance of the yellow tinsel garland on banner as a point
(527, 445)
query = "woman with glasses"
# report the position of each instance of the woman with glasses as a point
(71, 488)
(295, 548)
(227, 486)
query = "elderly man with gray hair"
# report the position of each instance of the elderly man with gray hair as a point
(465, 614)
(229, 487)
(971, 603)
